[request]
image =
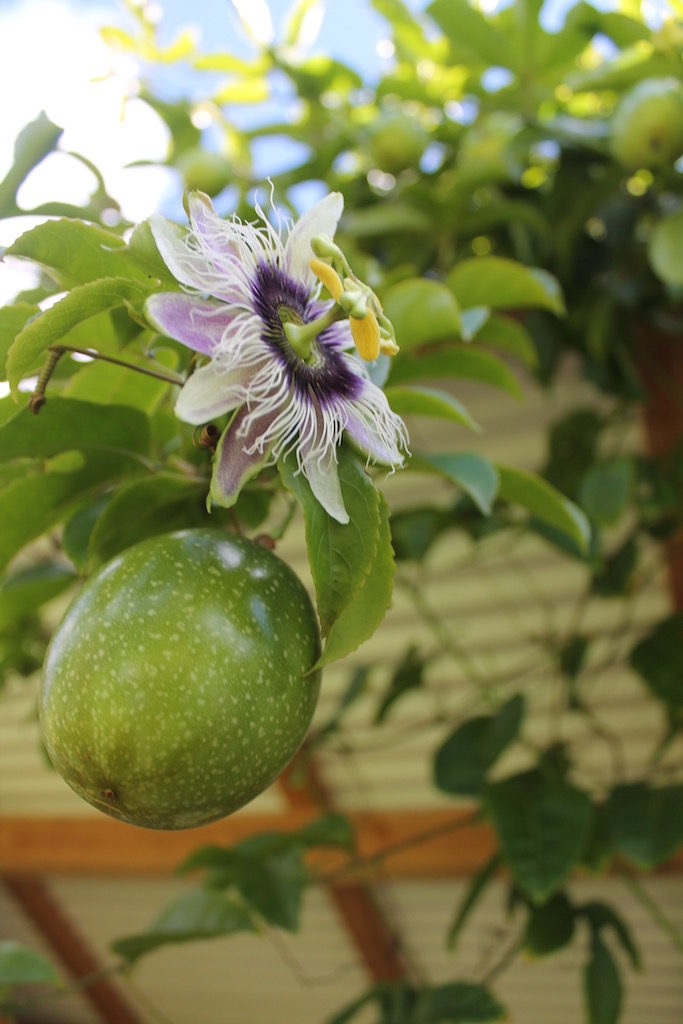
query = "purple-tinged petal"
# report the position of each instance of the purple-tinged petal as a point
(210, 392)
(213, 231)
(239, 457)
(198, 323)
(323, 476)
(372, 426)
(202, 263)
(322, 219)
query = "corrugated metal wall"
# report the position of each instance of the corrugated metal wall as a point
(500, 600)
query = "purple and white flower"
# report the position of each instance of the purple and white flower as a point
(247, 291)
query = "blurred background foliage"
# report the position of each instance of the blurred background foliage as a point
(513, 194)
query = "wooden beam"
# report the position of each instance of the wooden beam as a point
(47, 914)
(364, 920)
(103, 846)
(660, 362)
(99, 845)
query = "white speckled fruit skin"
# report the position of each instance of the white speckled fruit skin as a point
(175, 689)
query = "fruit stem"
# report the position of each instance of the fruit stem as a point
(55, 353)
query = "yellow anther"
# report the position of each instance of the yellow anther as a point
(328, 276)
(388, 347)
(365, 333)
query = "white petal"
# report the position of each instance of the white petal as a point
(170, 240)
(210, 392)
(321, 473)
(322, 219)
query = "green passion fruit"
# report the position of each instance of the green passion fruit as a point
(206, 171)
(647, 126)
(179, 684)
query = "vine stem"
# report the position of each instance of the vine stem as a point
(655, 911)
(55, 353)
(362, 863)
(439, 630)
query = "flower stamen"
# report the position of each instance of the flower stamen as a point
(302, 336)
(365, 333)
(328, 276)
(371, 329)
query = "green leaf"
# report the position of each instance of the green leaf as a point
(571, 656)
(421, 311)
(199, 914)
(51, 326)
(524, 488)
(612, 578)
(12, 320)
(144, 508)
(409, 401)
(329, 830)
(572, 442)
(39, 501)
(473, 473)
(477, 885)
(20, 965)
(462, 762)
(472, 37)
(542, 824)
(458, 1002)
(361, 617)
(606, 490)
(28, 589)
(341, 556)
(178, 118)
(472, 320)
(602, 985)
(658, 660)
(78, 529)
(111, 440)
(460, 361)
(68, 423)
(600, 916)
(645, 823)
(143, 249)
(414, 531)
(550, 926)
(504, 284)
(350, 1011)
(73, 253)
(509, 336)
(408, 676)
(599, 848)
(385, 219)
(274, 885)
(406, 31)
(243, 90)
(33, 143)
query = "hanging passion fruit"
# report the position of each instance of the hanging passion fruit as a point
(179, 684)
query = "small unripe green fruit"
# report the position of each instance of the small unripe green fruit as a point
(205, 171)
(483, 153)
(397, 141)
(647, 126)
(176, 688)
(665, 250)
